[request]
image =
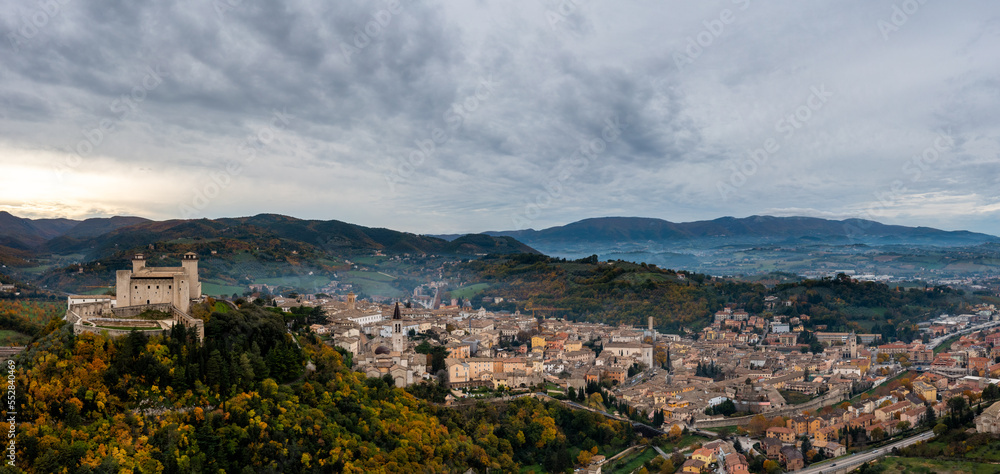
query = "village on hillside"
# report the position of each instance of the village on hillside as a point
(795, 396)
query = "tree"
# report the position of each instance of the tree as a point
(878, 434)
(930, 417)
(903, 425)
(595, 401)
(675, 433)
(991, 392)
(806, 447)
(956, 406)
(757, 426)
(658, 418)
(940, 429)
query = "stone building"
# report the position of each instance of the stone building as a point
(989, 421)
(159, 285)
(640, 352)
(167, 289)
(399, 361)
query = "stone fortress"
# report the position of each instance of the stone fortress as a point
(159, 285)
(170, 290)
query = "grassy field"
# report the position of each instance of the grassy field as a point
(686, 440)
(469, 291)
(731, 428)
(928, 466)
(13, 338)
(221, 307)
(374, 276)
(630, 462)
(794, 398)
(216, 289)
(946, 344)
(904, 374)
(373, 283)
(129, 328)
(299, 281)
(370, 260)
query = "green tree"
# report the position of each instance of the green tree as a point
(956, 406)
(991, 392)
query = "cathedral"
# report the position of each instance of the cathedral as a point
(405, 366)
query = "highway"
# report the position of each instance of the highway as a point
(933, 343)
(855, 460)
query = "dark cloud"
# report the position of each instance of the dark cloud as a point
(366, 85)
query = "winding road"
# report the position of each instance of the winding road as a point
(853, 461)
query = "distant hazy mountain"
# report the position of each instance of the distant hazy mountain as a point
(100, 226)
(102, 238)
(19, 233)
(762, 229)
(22, 233)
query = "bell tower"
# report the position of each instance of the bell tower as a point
(398, 338)
(852, 345)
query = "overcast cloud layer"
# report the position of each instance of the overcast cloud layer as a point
(469, 116)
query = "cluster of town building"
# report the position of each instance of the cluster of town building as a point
(720, 453)
(754, 362)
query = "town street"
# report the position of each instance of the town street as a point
(855, 460)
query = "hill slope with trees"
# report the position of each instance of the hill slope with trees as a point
(244, 401)
(619, 292)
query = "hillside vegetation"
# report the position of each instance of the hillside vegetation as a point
(621, 292)
(244, 402)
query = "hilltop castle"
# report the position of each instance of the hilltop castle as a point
(159, 285)
(167, 289)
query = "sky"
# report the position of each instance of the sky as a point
(441, 117)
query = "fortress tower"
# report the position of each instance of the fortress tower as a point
(189, 262)
(145, 285)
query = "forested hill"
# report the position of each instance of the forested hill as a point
(330, 236)
(244, 402)
(612, 292)
(620, 292)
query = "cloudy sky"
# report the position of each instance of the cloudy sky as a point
(486, 115)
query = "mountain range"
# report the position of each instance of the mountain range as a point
(760, 229)
(102, 237)
(728, 245)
